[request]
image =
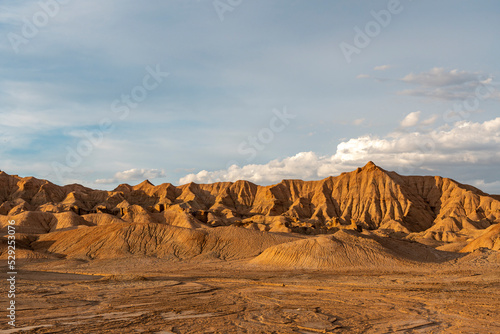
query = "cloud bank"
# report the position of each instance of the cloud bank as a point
(465, 143)
(439, 83)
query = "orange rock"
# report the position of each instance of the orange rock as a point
(367, 198)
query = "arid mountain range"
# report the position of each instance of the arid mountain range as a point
(368, 251)
(362, 209)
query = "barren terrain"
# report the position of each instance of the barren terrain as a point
(369, 251)
(154, 296)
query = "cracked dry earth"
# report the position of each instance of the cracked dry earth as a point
(233, 297)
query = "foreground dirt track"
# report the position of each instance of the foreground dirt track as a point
(156, 296)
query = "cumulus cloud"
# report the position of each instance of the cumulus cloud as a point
(439, 83)
(382, 67)
(429, 121)
(463, 143)
(411, 119)
(302, 165)
(134, 174)
(362, 76)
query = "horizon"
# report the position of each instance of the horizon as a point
(102, 94)
(369, 163)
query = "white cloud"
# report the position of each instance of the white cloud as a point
(362, 76)
(411, 119)
(133, 175)
(429, 121)
(382, 67)
(438, 77)
(301, 165)
(439, 83)
(464, 143)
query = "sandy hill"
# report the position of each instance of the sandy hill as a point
(348, 249)
(489, 239)
(327, 251)
(343, 249)
(163, 241)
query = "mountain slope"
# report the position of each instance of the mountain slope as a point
(158, 240)
(369, 198)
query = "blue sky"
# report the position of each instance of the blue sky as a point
(78, 102)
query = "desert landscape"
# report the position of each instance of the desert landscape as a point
(249, 167)
(369, 251)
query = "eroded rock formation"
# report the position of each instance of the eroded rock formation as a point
(369, 197)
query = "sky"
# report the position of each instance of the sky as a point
(108, 92)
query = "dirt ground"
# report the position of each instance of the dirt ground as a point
(146, 295)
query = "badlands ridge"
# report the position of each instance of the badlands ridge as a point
(367, 217)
